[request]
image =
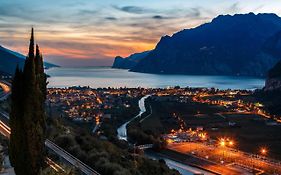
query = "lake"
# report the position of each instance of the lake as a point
(107, 77)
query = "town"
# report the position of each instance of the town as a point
(206, 125)
(84, 103)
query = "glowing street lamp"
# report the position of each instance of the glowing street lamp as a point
(203, 136)
(169, 141)
(231, 143)
(222, 143)
(263, 151)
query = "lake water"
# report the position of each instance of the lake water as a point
(107, 77)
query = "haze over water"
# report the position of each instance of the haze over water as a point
(96, 77)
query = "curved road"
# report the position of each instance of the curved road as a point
(122, 130)
(6, 90)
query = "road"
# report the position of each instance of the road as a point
(122, 130)
(6, 90)
(183, 168)
(70, 158)
(6, 131)
(230, 157)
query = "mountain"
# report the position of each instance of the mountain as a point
(270, 95)
(240, 44)
(273, 80)
(130, 61)
(10, 59)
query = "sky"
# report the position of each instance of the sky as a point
(92, 32)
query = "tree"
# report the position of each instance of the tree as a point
(28, 115)
(39, 69)
(17, 149)
(42, 83)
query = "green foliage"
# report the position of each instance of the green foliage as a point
(27, 118)
(137, 135)
(107, 158)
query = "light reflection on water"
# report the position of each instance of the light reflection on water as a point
(106, 77)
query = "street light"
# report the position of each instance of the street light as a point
(222, 143)
(263, 151)
(231, 143)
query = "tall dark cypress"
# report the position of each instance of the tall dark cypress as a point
(30, 118)
(31, 45)
(30, 112)
(37, 58)
(42, 84)
(42, 77)
(17, 146)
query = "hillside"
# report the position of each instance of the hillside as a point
(273, 81)
(10, 59)
(229, 45)
(130, 61)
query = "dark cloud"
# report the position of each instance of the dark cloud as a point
(111, 18)
(73, 4)
(13, 11)
(87, 12)
(158, 17)
(133, 9)
(22, 14)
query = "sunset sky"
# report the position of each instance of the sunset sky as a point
(93, 32)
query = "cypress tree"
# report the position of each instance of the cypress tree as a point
(17, 146)
(31, 45)
(42, 77)
(28, 116)
(16, 98)
(31, 111)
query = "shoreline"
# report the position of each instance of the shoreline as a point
(100, 77)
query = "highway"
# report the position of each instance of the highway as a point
(230, 157)
(70, 158)
(6, 131)
(6, 90)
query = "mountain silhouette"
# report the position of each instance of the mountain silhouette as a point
(241, 44)
(10, 59)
